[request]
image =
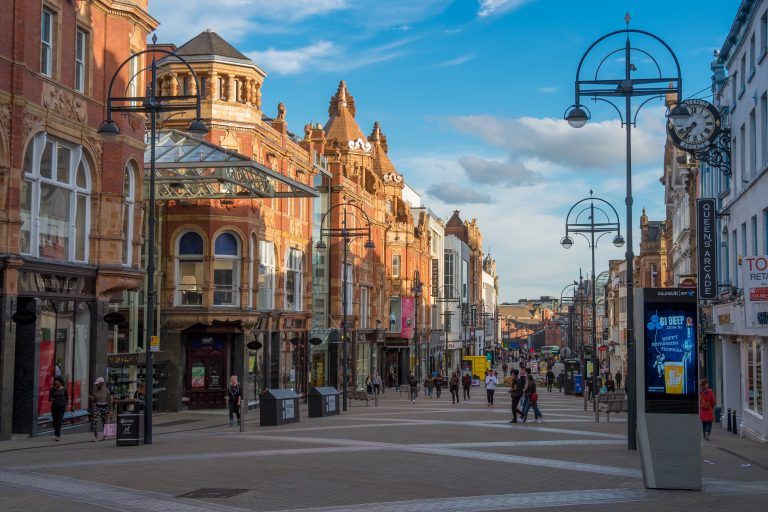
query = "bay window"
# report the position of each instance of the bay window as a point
(293, 279)
(189, 270)
(266, 275)
(226, 264)
(55, 201)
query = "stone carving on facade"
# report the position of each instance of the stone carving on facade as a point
(5, 116)
(97, 146)
(64, 103)
(392, 177)
(30, 121)
(281, 111)
(360, 144)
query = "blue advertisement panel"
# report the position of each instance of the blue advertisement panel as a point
(670, 350)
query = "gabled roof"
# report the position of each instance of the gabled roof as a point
(455, 221)
(341, 125)
(209, 42)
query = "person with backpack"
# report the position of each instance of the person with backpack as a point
(706, 408)
(466, 383)
(532, 399)
(516, 392)
(550, 379)
(491, 381)
(453, 385)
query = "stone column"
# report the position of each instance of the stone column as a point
(192, 85)
(249, 92)
(231, 88)
(214, 85)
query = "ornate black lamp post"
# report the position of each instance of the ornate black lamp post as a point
(417, 290)
(570, 303)
(151, 105)
(576, 223)
(598, 89)
(347, 235)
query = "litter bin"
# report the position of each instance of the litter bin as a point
(130, 423)
(578, 384)
(323, 401)
(278, 407)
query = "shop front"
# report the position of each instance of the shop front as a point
(53, 338)
(396, 360)
(126, 377)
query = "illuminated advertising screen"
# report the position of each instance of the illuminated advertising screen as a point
(671, 379)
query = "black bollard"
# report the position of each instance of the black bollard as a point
(730, 427)
(735, 425)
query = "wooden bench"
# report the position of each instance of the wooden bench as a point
(359, 394)
(611, 402)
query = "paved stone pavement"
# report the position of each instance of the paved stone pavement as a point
(400, 456)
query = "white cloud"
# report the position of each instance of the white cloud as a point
(458, 61)
(493, 7)
(598, 145)
(180, 20)
(453, 194)
(495, 172)
(286, 62)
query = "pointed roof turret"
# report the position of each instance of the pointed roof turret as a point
(341, 125)
(455, 221)
(381, 162)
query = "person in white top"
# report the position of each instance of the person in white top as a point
(491, 381)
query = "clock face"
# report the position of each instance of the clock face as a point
(699, 130)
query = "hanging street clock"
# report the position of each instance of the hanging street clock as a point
(703, 135)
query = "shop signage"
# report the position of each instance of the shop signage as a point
(724, 319)
(755, 269)
(54, 283)
(435, 277)
(406, 330)
(288, 409)
(154, 343)
(707, 248)
(122, 359)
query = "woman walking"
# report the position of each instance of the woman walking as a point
(439, 384)
(429, 385)
(59, 400)
(454, 387)
(101, 407)
(706, 408)
(234, 397)
(532, 401)
(466, 383)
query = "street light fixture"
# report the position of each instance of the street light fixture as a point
(416, 290)
(582, 220)
(151, 105)
(600, 88)
(566, 242)
(347, 235)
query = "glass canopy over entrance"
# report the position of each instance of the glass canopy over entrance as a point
(188, 168)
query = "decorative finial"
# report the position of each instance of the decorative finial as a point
(154, 38)
(627, 18)
(591, 192)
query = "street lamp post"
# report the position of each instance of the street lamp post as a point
(598, 89)
(346, 234)
(152, 105)
(416, 290)
(575, 223)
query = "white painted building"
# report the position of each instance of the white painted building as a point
(455, 288)
(739, 344)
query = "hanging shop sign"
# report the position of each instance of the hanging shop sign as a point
(707, 248)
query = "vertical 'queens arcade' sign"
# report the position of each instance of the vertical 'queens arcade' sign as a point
(707, 248)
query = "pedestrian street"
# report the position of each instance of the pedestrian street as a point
(429, 455)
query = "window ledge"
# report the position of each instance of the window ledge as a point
(751, 74)
(762, 55)
(741, 92)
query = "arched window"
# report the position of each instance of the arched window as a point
(55, 200)
(189, 270)
(293, 279)
(129, 200)
(266, 275)
(226, 263)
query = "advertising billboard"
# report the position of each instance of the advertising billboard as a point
(755, 269)
(408, 310)
(671, 379)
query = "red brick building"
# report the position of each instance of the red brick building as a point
(69, 201)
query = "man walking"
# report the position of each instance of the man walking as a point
(561, 380)
(524, 379)
(504, 368)
(550, 379)
(618, 379)
(516, 392)
(491, 380)
(466, 383)
(413, 386)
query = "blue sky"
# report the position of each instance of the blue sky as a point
(470, 94)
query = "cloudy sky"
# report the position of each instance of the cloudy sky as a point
(471, 94)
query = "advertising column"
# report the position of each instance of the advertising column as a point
(668, 427)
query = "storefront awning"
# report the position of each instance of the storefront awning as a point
(188, 168)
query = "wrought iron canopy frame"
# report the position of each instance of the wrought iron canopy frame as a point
(345, 232)
(189, 168)
(603, 228)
